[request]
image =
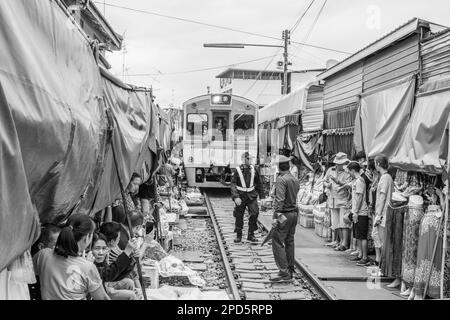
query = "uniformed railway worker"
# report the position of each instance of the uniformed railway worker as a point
(246, 185)
(284, 220)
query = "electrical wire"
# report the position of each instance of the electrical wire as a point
(296, 24)
(213, 25)
(260, 73)
(198, 70)
(293, 28)
(311, 28)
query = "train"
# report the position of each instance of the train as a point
(218, 129)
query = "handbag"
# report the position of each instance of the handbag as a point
(323, 196)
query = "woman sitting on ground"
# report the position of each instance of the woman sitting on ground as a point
(63, 273)
(114, 275)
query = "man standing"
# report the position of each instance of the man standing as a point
(246, 185)
(383, 197)
(284, 220)
(359, 212)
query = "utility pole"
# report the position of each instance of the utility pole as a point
(286, 38)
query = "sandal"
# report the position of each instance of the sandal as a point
(340, 248)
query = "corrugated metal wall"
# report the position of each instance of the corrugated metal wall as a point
(312, 117)
(343, 88)
(435, 55)
(392, 63)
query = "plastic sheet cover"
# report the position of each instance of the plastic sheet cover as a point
(51, 120)
(382, 118)
(131, 111)
(54, 151)
(420, 148)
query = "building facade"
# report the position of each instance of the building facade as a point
(261, 86)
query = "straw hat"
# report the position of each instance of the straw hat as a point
(340, 158)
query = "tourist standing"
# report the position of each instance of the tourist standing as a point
(383, 197)
(335, 180)
(359, 213)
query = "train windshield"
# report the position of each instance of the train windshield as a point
(197, 124)
(244, 124)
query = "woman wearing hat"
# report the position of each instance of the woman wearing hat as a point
(335, 180)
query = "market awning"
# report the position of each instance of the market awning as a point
(289, 104)
(419, 148)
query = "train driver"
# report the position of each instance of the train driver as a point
(246, 185)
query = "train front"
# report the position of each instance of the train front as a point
(219, 128)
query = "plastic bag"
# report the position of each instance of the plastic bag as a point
(171, 266)
(153, 250)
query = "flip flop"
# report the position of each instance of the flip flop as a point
(340, 248)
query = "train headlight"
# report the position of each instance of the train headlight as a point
(191, 159)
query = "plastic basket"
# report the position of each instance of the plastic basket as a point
(306, 220)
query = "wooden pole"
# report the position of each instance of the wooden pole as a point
(444, 246)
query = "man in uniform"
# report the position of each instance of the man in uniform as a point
(284, 220)
(246, 185)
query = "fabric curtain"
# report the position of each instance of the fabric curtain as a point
(340, 118)
(338, 130)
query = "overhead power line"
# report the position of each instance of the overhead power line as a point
(198, 70)
(311, 28)
(301, 17)
(214, 26)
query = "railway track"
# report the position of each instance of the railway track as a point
(248, 266)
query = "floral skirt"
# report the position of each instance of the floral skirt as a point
(411, 227)
(391, 263)
(425, 263)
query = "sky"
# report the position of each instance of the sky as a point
(165, 50)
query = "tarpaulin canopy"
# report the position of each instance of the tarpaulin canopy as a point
(131, 113)
(382, 118)
(51, 120)
(291, 103)
(54, 150)
(419, 148)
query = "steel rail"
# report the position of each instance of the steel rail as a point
(311, 277)
(228, 272)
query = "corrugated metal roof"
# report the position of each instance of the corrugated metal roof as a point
(397, 34)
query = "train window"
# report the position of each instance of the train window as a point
(221, 119)
(244, 124)
(197, 124)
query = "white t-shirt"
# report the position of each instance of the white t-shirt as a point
(62, 278)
